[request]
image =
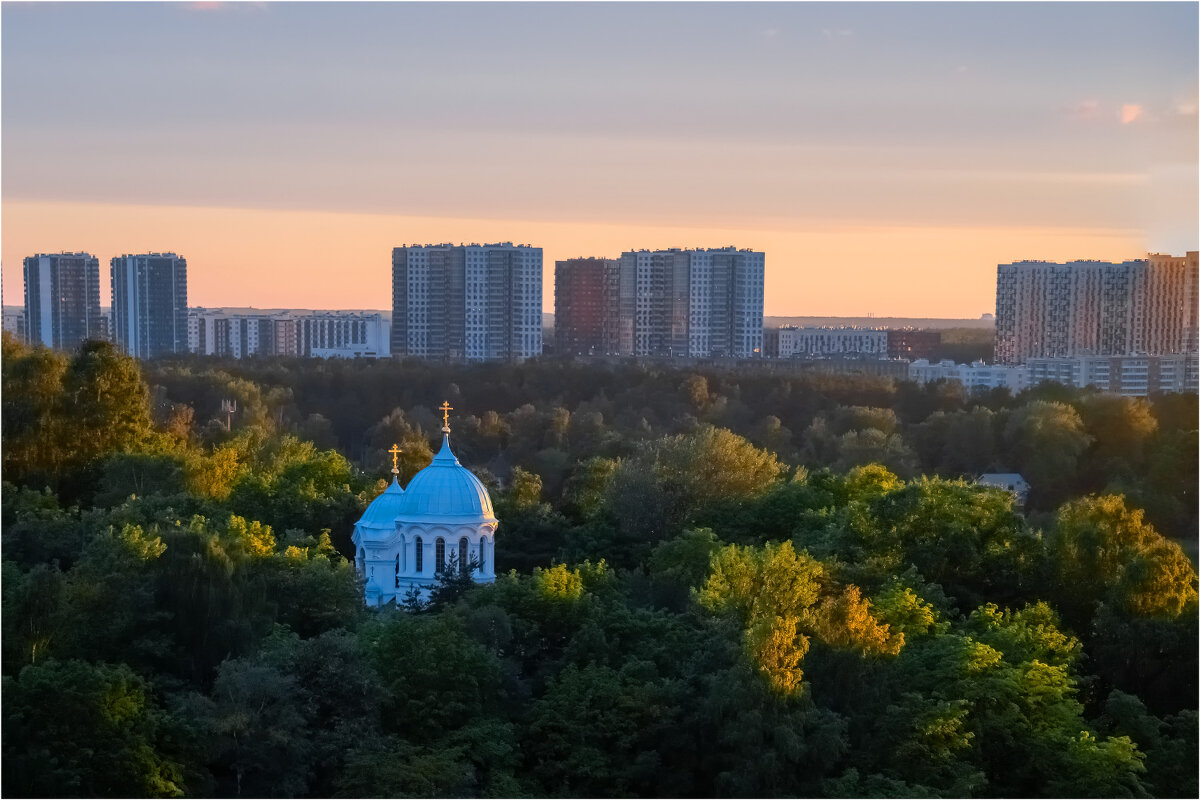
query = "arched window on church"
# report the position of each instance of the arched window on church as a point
(463, 558)
(362, 561)
(397, 570)
(420, 554)
(439, 555)
(482, 557)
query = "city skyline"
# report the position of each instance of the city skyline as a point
(886, 157)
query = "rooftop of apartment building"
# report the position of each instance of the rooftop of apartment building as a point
(303, 312)
(726, 249)
(833, 328)
(1079, 261)
(472, 244)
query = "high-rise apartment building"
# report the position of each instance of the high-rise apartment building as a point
(62, 299)
(467, 302)
(663, 303)
(1085, 308)
(586, 297)
(1166, 303)
(149, 304)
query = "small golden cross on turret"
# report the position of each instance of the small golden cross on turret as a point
(446, 409)
(395, 451)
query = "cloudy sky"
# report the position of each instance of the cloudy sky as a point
(885, 156)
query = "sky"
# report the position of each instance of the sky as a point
(885, 156)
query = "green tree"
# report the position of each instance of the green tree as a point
(1046, 441)
(34, 430)
(257, 718)
(526, 491)
(73, 729)
(969, 540)
(1170, 743)
(1104, 550)
(870, 446)
(1121, 427)
(781, 599)
(33, 614)
(674, 477)
(106, 401)
(138, 474)
(596, 732)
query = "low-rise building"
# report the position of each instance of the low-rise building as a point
(237, 333)
(1009, 482)
(14, 321)
(912, 343)
(1132, 375)
(972, 376)
(792, 341)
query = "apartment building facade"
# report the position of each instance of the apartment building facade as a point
(793, 341)
(14, 321)
(62, 299)
(1130, 375)
(586, 296)
(670, 303)
(238, 333)
(467, 302)
(912, 343)
(978, 375)
(149, 304)
(1085, 308)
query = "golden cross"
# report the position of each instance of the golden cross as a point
(446, 409)
(395, 451)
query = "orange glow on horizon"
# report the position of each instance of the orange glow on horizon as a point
(312, 259)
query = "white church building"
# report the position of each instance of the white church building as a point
(442, 519)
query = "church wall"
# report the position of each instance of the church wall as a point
(378, 559)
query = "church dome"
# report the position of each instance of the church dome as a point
(381, 513)
(445, 491)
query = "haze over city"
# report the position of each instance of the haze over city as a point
(885, 157)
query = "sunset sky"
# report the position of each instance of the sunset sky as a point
(885, 156)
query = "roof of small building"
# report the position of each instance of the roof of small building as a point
(1001, 478)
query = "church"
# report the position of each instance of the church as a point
(442, 520)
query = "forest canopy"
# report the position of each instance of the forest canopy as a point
(711, 583)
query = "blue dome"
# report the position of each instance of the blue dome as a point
(445, 491)
(381, 514)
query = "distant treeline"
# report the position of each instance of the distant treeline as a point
(546, 417)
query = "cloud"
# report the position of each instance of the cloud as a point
(770, 33)
(1085, 109)
(1130, 112)
(839, 33)
(224, 5)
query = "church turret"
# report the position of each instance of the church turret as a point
(374, 531)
